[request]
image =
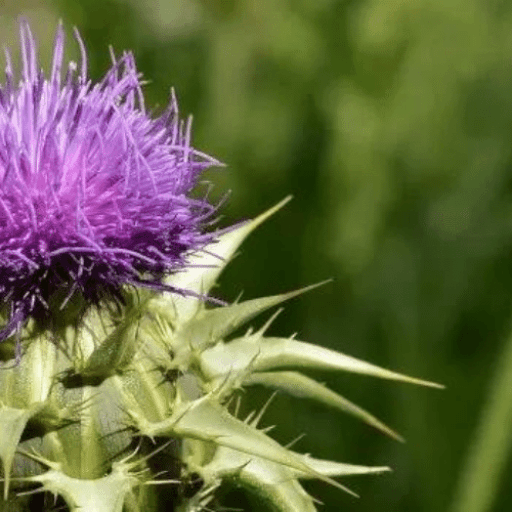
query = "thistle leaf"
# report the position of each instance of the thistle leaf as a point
(212, 325)
(116, 351)
(299, 385)
(206, 266)
(41, 363)
(271, 353)
(206, 420)
(274, 483)
(12, 424)
(106, 494)
(331, 468)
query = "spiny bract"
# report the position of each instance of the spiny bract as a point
(85, 413)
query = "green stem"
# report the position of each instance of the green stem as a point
(491, 445)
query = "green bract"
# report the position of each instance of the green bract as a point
(93, 404)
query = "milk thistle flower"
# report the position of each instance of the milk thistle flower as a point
(95, 207)
(94, 192)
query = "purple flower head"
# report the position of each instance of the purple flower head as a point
(93, 191)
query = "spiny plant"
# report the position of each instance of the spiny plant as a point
(118, 368)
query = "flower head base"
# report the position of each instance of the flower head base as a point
(93, 191)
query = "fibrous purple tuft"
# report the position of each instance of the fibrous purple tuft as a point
(93, 191)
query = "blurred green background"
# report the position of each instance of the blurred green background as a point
(390, 121)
